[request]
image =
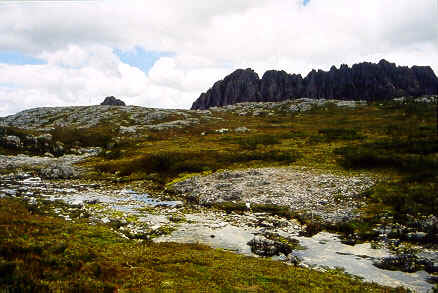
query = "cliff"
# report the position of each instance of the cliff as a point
(363, 81)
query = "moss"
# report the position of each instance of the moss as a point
(175, 218)
(162, 230)
(184, 176)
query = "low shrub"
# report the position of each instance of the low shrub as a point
(333, 134)
(407, 198)
(339, 133)
(99, 136)
(251, 142)
(15, 131)
(170, 164)
(373, 156)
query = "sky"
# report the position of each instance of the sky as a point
(166, 53)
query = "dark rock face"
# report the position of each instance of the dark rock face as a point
(239, 86)
(363, 81)
(112, 101)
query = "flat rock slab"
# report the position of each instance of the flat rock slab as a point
(321, 193)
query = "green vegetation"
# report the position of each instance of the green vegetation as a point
(14, 131)
(412, 190)
(169, 164)
(44, 253)
(271, 209)
(333, 134)
(99, 136)
(251, 142)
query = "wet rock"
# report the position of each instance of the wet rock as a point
(267, 247)
(302, 107)
(242, 129)
(228, 175)
(222, 130)
(232, 196)
(185, 187)
(417, 236)
(58, 171)
(127, 130)
(59, 148)
(45, 138)
(223, 186)
(404, 262)
(92, 201)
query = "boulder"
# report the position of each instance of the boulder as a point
(242, 129)
(112, 101)
(267, 247)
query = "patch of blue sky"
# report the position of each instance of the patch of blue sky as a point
(140, 58)
(8, 85)
(18, 58)
(305, 2)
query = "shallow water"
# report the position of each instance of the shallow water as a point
(124, 201)
(325, 249)
(212, 233)
(322, 250)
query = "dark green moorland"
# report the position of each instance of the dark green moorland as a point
(396, 142)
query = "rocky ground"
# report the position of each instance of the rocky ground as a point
(333, 198)
(130, 119)
(88, 116)
(48, 167)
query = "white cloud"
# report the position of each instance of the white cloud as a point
(209, 40)
(78, 76)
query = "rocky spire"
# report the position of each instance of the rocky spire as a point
(364, 81)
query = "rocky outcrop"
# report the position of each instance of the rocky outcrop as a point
(240, 86)
(112, 101)
(16, 140)
(363, 81)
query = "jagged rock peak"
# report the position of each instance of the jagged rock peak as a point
(113, 101)
(363, 81)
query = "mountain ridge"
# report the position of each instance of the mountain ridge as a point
(362, 81)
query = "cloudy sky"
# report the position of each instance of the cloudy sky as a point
(165, 53)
